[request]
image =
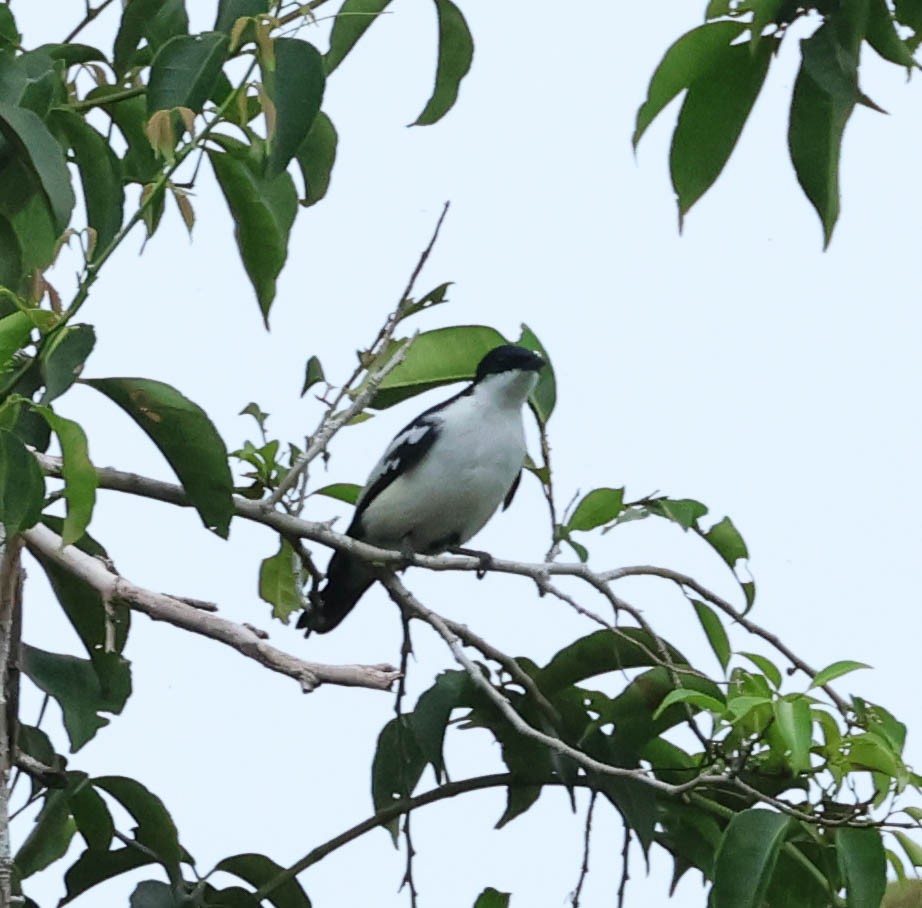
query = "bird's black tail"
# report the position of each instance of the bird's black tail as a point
(347, 580)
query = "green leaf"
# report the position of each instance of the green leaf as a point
(62, 358)
(80, 480)
(912, 849)
(155, 20)
(691, 57)
(295, 84)
(14, 335)
(714, 629)
(432, 712)
(75, 684)
(22, 485)
(767, 667)
(683, 511)
(825, 93)
(694, 698)
(258, 870)
(316, 157)
(155, 828)
(725, 539)
(91, 814)
(10, 256)
(836, 670)
(341, 491)
(544, 398)
(519, 798)
(397, 766)
(9, 34)
(313, 373)
(884, 38)
(37, 147)
(794, 721)
(139, 164)
(596, 508)
(263, 211)
(492, 898)
(746, 858)
(185, 71)
(860, 854)
(54, 828)
(712, 117)
(100, 176)
(278, 582)
(94, 867)
(229, 11)
(153, 894)
(456, 52)
(34, 742)
(351, 22)
(186, 437)
(435, 358)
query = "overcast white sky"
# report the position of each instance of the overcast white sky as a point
(737, 364)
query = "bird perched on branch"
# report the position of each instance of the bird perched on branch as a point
(440, 479)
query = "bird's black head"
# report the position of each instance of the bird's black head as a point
(508, 358)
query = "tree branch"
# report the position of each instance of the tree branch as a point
(160, 607)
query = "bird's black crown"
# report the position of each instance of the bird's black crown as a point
(508, 358)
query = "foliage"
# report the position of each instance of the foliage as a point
(788, 792)
(721, 67)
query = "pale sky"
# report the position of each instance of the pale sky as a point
(737, 364)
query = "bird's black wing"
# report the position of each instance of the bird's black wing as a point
(512, 490)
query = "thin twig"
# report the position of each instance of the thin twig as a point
(625, 862)
(584, 870)
(91, 14)
(406, 649)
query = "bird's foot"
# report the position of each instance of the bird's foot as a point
(485, 558)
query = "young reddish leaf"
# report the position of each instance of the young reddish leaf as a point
(746, 858)
(860, 855)
(351, 22)
(456, 52)
(186, 437)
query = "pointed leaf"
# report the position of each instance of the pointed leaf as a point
(14, 335)
(313, 373)
(492, 898)
(263, 210)
(596, 508)
(794, 721)
(341, 491)
(351, 22)
(50, 837)
(836, 670)
(518, 799)
(397, 766)
(22, 485)
(63, 357)
(767, 667)
(258, 870)
(746, 858)
(456, 52)
(93, 819)
(913, 849)
(544, 398)
(683, 511)
(186, 437)
(884, 38)
(155, 20)
(429, 718)
(295, 83)
(860, 854)
(727, 542)
(316, 157)
(716, 634)
(185, 71)
(694, 698)
(94, 867)
(278, 582)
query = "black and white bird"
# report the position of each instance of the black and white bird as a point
(440, 480)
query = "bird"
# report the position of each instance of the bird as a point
(440, 480)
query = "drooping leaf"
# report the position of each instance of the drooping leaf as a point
(75, 684)
(884, 38)
(50, 837)
(727, 542)
(92, 817)
(430, 716)
(258, 870)
(746, 858)
(597, 508)
(714, 629)
(316, 157)
(186, 437)
(278, 582)
(435, 358)
(397, 766)
(37, 148)
(185, 71)
(860, 854)
(689, 59)
(712, 117)
(22, 485)
(519, 798)
(63, 357)
(263, 210)
(836, 670)
(80, 480)
(456, 52)
(794, 721)
(100, 175)
(295, 83)
(313, 373)
(354, 17)
(544, 398)
(492, 898)
(767, 667)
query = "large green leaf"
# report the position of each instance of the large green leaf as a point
(229, 11)
(430, 717)
(22, 486)
(435, 358)
(456, 52)
(258, 870)
(100, 175)
(863, 866)
(353, 18)
(295, 82)
(263, 209)
(397, 766)
(544, 398)
(155, 20)
(153, 894)
(884, 38)
(316, 157)
(278, 582)
(94, 867)
(93, 819)
(186, 437)
(36, 146)
(689, 59)
(74, 683)
(794, 721)
(746, 858)
(31, 80)
(713, 114)
(185, 71)
(62, 358)
(54, 828)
